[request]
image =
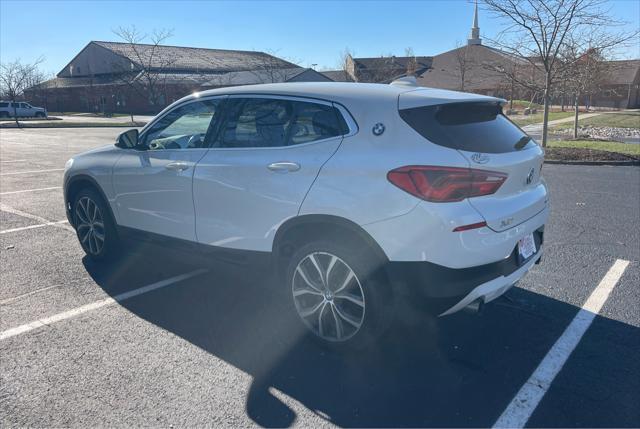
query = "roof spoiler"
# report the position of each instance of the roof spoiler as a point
(405, 81)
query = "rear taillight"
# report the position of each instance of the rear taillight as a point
(445, 184)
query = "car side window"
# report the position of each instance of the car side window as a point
(271, 122)
(256, 122)
(313, 122)
(185, 127)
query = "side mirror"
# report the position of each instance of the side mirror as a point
(128, 139)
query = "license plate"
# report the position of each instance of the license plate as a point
(526, 247)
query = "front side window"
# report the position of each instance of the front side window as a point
(185, 127)
(270, 122)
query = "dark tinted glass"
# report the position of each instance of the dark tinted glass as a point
(4, 104)
(474, 127)
(267, 122)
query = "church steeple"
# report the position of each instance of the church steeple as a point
(474, 37)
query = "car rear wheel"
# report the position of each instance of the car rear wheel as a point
(94, 226)
(39, 115)
(338, 295)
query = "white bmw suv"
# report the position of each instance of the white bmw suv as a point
(356, 195)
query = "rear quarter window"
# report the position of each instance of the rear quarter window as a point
(473, 127)
(4, 104)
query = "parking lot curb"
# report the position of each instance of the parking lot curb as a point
(78, 125)
(618, 163)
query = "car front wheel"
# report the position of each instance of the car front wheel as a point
(94, 226)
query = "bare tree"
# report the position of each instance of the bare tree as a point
(346, 63)
(412, 62)
(536, 32)
(463, 63)
(585, 67)
(15, 77)
(271, 69)
(148, 73)
(38, 86)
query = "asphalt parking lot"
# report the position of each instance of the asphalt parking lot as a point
(83, 345)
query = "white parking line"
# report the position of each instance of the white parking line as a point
(43, 221)
(46, 321)
(40, 225)
(30, 190)
(531, 393)
(31, 171)
(24, 295)
(15, 160)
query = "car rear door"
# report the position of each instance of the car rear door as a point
(153, 183)
(265, 158)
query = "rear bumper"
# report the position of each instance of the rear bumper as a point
(491, 290)
(426, 235)
(446, 290)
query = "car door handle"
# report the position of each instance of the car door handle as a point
(284, 166)
(177, 166)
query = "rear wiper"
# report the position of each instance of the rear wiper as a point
(522, 142)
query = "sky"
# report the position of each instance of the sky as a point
(305, 32)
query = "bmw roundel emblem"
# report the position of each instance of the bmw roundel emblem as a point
(378, 129)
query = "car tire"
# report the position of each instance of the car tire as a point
(348, 309)
(40, 115)
(94, 225)
(4, 115)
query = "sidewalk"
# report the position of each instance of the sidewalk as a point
(77, 121)
(535, 130)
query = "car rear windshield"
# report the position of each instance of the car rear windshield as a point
(4, 104)
(474, 127)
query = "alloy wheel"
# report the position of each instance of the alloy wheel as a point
(90, 225)
(328, 296)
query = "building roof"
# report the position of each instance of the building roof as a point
(337, 75)
(181, 58)
(399, 62)
(622, 72)
(478, 62)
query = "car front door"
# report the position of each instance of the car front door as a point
(153, 182)
(264, 159)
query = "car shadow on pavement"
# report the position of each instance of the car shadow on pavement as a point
(461, 370)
